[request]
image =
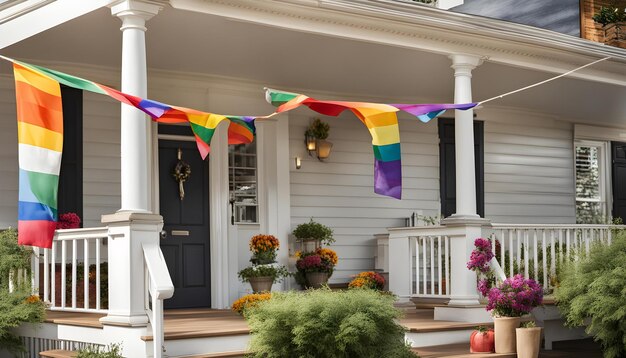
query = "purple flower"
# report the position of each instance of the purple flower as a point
(484, 285)
(480, 257)
(514, 297)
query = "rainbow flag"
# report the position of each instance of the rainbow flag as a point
(381, 121)
(203, 124)
(40, 133)
(40, 142)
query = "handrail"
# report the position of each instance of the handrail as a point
(159, 287)
(556, 226)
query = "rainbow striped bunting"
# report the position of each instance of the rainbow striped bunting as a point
(381, 121)
(40, 134)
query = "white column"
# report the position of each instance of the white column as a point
(464, 136)
(219, 220)
(136, 139)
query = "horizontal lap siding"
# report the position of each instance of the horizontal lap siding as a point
(101, 157)
(340, 191)
(528, 168)
(8, 156)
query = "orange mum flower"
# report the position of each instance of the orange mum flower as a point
(328, 255)
(248, 301)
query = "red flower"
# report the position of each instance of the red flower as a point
(68, 221)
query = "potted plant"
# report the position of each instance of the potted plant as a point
(315, 268)
(528, 337)
(508, 301)
(312, 235)
(482, 340)
(513, 298)
(264, 272)
(611, 18)
(368, 279)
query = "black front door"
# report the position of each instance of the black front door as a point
(618, 151)
(185, 240)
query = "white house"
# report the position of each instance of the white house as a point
(517, 163)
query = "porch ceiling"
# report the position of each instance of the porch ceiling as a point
(199, 43)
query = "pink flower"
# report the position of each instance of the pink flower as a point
(68, 221)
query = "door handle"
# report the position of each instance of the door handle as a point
(180, 232)
(163, 234)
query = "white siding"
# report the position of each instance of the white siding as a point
(101, 157)
(529, 173)
(340, 191)
(8, 154)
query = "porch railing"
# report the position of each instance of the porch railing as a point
(69, 274)
(159, 287)
(428, 260)
(538, 251)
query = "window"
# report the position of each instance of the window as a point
(591, 197)
(242, 172)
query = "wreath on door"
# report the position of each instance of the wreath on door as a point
(182, 172)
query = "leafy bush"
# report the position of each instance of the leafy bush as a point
(325, 323)
(17, 306)
(595, 288)
(112, 351)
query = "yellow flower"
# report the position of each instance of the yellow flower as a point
(298, 254)
(32, 299)
(328, 255)
(249, 301)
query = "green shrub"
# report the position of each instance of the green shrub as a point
(325, 323)
(314, 230)
(112, 351)
(19, 305)
(595, 288)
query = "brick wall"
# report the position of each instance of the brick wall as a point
(590, 30)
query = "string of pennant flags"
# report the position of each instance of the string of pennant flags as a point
(40, 135)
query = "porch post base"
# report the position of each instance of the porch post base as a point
(124, 320)
(468, 313)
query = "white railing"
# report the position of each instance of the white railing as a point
(159, 287)
(70, 250)
(538, 251)
(431, 265)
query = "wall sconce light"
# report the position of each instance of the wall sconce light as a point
(309, 142)
(298, 163)
(323, 149)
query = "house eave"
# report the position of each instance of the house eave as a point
(408, 25)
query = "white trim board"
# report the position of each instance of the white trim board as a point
(599, 133)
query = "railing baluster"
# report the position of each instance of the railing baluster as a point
(526, 254)
(553, 255)
(431, 240)
(511, 253)
(46, 275)
(98, 273)
(567, 243)
(85, 273)
(424, 265)
(63, 273)
(535, 257)
(447, 264)
(439, 277)
(586, 237)
(53, 276)
(34, 283)
(544, 261)
(74, 254)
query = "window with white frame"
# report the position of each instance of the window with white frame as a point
(591, 185)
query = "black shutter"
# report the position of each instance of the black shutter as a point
(71, 177)
(618, 154)
(447, 167)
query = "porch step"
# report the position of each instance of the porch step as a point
(460, 350)
(58, 353)
(235, 354)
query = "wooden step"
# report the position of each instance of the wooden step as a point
(58, 353)
(461, 350)
(237, 354)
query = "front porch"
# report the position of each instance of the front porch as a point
(222, 333)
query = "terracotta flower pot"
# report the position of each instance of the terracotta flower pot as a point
(316, 279)
(261, 284)
(528, 341)
(504, 328)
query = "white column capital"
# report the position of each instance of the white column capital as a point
(135, 13)
(463, 64)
